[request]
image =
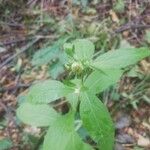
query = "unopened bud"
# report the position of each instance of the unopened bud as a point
(77, 67)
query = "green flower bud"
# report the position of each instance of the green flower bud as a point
(77, 67)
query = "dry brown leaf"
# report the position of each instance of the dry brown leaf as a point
(145, 66)
(143, 141)
(145, 124)
(114, 16)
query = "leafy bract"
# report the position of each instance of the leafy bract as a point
(47, 91)
(36, 115)
(84, 49)
(62, 135)
(97, 121)
(98, 80)
(120, 58)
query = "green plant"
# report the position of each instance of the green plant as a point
(119, 6)
(5, 144)
(52, 55)
(88, 77)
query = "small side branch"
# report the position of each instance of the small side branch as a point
(21, 51)
(131, 26)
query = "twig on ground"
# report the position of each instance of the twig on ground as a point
(30, 38)
(14, 87)
(8, 112)
(14, 41)
(21, 51)
(131, 26)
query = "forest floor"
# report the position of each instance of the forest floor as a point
(29, 25)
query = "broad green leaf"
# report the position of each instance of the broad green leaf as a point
(120, 58)
(97, 121)
(84, 49)
(62, 135)
(5, 144)
(72, 98)
(47, 54)
(57, 67)
(47, 91)
(36, 115)
(98, 80)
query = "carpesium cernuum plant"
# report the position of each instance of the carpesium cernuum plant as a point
(88, 76)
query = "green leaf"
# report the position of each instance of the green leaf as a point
(84, 49)
(57, 67)
(98, 80)
(47, 54)
(73, 99)
(120, 58)
(5, 144)
(62, 135)
(97, 121)
(53, 55)
(84, 2)
(68, 47)
(119, 6)
(36, 115)
(47, 91)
